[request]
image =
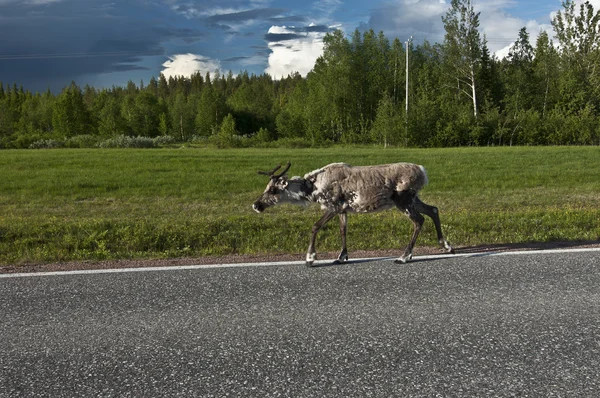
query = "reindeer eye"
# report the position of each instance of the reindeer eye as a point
(273, 190)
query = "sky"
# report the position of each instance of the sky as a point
(104, 43)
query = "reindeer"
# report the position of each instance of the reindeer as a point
(341, 189)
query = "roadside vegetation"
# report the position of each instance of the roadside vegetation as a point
(97, 204)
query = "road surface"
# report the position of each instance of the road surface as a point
(524, 324)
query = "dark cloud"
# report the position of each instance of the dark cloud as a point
(62, 41)
(288, 19)
(185, 9)
(194, 8)
(125, 68)
(51, 44)
(223, 27)
(243, 16)
(295, 33)
(188, 35)
(318, 28)
(276, 37)
(235, 59)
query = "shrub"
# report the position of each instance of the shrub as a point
(163, 140)
(294, 143)
(82, 141)
(199, 139)
(123, 141)
(46, 144)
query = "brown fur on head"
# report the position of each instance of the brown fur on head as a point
(282, 189)
(273, 193)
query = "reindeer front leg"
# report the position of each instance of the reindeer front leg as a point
(311, 255)
(343, 229)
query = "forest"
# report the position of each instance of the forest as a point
(458, 94)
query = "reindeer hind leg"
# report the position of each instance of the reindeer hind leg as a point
(433, 213)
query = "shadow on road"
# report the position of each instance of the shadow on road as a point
(528, 246)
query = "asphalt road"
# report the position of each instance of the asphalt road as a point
(515, 325)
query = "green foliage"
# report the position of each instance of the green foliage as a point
(578, 35)
(70, 116)
(182, 118)
(225, 136)
(210, 112)
(387, 128)
(110, 120)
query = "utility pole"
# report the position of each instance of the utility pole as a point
(407, 43)
(406, 102)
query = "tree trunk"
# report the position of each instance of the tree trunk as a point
(473, 90)
(181, 126)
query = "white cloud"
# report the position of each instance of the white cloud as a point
(404, 18)
(294, 55)
(423, 20)
(188, 64)
(509, 37)
(502, 29)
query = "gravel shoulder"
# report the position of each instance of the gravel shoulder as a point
(234, 259)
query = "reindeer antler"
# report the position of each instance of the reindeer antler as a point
(287, 167)
(272, 172)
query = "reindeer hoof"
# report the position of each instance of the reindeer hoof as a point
(404, 259)
(310, 259)
(341, 259)
(447, 248)
(309, 264)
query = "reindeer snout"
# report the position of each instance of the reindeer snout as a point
(258, 207)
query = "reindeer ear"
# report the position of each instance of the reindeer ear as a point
(282, 182)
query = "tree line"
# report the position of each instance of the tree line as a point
(458, 94)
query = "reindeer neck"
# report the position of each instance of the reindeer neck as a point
(301, 187)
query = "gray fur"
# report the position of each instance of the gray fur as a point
(341, 189)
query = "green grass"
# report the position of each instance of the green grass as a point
(61, 205)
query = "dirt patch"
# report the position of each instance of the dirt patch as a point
(236, 259)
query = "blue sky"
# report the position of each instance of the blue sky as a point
(49, 43)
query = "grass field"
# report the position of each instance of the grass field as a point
(60, 205)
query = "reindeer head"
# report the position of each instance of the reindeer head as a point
(276, 190)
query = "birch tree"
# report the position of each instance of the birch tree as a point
(546, 70)
(462, 45)
(578, 36)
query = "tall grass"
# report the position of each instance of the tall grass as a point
(91, 204)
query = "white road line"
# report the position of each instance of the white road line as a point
(263, 264)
